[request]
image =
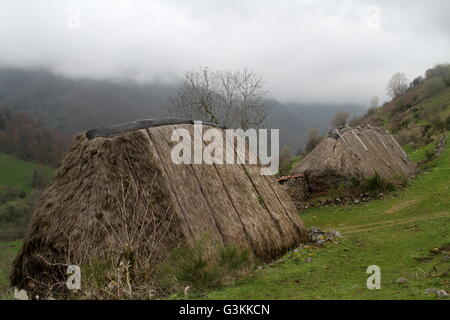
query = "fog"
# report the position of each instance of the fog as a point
(307, 51)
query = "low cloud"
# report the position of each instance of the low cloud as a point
(309, 51)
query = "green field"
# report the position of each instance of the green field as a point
(15, 174)
(18, 174)
(396, 233)
(8, 251)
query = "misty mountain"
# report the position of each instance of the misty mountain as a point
(73, 105)
(295, 120)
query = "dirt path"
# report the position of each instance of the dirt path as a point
(402, 205)
(391, 223)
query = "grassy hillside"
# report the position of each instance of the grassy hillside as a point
(16, 199)
(20, 185)
(396, 233)
(18, 174)
(414, 118)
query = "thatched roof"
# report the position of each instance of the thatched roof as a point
(118, 187)
(359, 153)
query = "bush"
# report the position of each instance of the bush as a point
(432, 86)
(286, 168)
(441, 71)
(371, 111)
(377, 183)
(429, 155)
(7, 194)
(202, 266)
(340, 119)
(416, 136)
(313, 140)
(40, 179)
(15, 216)
(401, 105)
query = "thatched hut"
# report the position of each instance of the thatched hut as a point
(118, 191)
(358, 153)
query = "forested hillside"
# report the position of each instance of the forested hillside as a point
(30, 140)
(73, 105)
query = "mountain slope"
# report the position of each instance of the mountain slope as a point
(30, 140)
(418, 116)
(74, 105)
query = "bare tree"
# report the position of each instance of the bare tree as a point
(397, 85)
(232, 99)
(340, 119)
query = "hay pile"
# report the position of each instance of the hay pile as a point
(117, 195)
(358, 153)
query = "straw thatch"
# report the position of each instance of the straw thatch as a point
(358, 153)
(117, 190)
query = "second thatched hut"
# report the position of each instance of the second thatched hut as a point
(354, 153)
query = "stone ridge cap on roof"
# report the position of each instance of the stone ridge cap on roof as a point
(108, 132)
(342, 130)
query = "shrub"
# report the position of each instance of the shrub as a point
(202, 266)
(401, 105)
(313, 140)
(371, 111)
(7, 194)
(15, 216)
(416, 136)
(40, 179)
(340, 119)
(377, 183)
(286, 168)
(432, 86)
(440, 70)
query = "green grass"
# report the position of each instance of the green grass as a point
(395, 233)
(442, 98)
(419, 154)
(8, 251)
(16, 173)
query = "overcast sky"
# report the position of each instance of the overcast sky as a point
(307, 51)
